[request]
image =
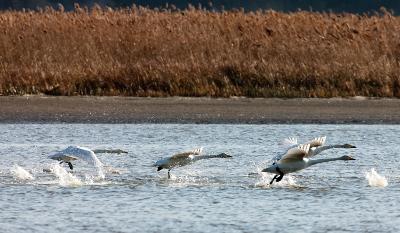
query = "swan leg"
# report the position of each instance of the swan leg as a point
(70, 166)
(61, 162)
(280, 174)
(272, 181)
(169, 175)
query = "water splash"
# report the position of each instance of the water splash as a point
(65, 178)
(21, 174)
(265, 179)
(375, 180)
(113, 170)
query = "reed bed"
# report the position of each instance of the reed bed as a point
(195, 52)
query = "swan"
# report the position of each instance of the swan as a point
(317, 145)
(184, 158)
(72, 153)
(296, 159)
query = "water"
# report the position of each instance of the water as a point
(215, 195)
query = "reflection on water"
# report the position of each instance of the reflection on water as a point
(223, 195)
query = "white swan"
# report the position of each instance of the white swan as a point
(296, 159)
(316, 146)
(72, 153)
(183, 159)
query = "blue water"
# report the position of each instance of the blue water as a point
(218, 195)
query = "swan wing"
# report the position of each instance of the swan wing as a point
(187, 154)
(316, 142)
(82, 153)
(289, 142)
(295, 154)
(197, 151)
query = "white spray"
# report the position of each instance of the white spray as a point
(375, 180)
(65, 178)
(265, 179)
(20, 173)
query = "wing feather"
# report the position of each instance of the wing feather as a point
(289, 142)
(82, 153)
(316, 142)
(296, 153)
(192, 153)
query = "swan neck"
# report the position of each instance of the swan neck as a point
(199, 157)
(316, 161)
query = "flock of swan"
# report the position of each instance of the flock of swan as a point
(294, 158)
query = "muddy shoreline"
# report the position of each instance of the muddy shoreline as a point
(43, 109)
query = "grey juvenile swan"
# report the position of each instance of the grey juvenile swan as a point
(183, 159)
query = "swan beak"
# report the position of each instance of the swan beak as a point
(351, 158)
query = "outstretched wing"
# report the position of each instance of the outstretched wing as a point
(295, 154)
(316, 142)
(82, 153)
(186, 154)
(289, 142)
(197, 151)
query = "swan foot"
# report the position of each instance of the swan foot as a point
(272, 181)
(70, 166)
(280, 174)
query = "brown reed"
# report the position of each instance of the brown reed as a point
(194, 52)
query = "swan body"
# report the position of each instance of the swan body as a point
(73, 153)
(296, 159)
(184, 158)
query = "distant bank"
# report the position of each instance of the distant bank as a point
(38, 109)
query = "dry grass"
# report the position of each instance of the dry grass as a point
(142, 52)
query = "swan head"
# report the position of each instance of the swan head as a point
(223, 155)
(346, 157)
(348, 146)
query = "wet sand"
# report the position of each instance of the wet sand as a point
(41, 109)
